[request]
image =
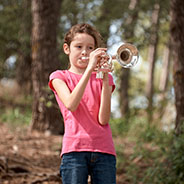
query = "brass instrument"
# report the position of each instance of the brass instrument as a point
(127, 55)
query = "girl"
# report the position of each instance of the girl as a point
(85, 103)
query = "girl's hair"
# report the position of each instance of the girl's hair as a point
(83, 28)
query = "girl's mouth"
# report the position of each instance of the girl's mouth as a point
(84, 58)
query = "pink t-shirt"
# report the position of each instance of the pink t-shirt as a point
(83, 132)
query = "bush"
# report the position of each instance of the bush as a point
(171, 170)
(119, 126)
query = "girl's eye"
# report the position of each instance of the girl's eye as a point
(91, 48)
(78, 46)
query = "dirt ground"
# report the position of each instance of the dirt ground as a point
(30, 158)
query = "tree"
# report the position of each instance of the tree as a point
(125, 73)
(165, 70)
(177, 40)
(152, 58)
(164, 80)
(10, 11)
(104, 18)
(23, 62)
(45, 16)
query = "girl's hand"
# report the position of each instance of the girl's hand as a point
(107, 67)
(96, 57)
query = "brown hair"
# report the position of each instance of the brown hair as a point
(83, 28)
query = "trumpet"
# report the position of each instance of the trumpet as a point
(127, 56)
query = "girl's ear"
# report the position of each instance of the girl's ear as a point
(66, 48)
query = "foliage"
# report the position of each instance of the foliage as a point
(119, 127)
(151, 133)
(16, 117)
(15, 105)
(171, 170)
(156, 156)
(10, 21)
(18, 114)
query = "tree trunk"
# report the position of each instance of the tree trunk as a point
(24, 54)
(164, 80)
(125, 73)
(104, 20)
(152, 58)
(45, 15)
(165, 69)
(123, 92)
(177, 39)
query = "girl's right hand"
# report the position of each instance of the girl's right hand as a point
(96, 56)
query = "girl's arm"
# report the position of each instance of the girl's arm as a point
(105, 105)
(72, 99)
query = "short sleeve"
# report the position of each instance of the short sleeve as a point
(111, 82)
(59, 74)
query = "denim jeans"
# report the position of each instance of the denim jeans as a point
(76, 166)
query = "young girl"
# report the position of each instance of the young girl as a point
(85, 103)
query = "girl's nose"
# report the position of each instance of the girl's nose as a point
(84, 52)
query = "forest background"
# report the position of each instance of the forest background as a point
(148, 103)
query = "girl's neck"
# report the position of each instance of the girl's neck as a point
(76, 70)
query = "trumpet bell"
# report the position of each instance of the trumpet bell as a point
(127, 55)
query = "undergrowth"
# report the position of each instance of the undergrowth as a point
(157, 157)
(16, 111)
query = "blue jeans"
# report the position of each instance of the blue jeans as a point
(76, 166)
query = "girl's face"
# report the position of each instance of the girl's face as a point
(80, 48)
